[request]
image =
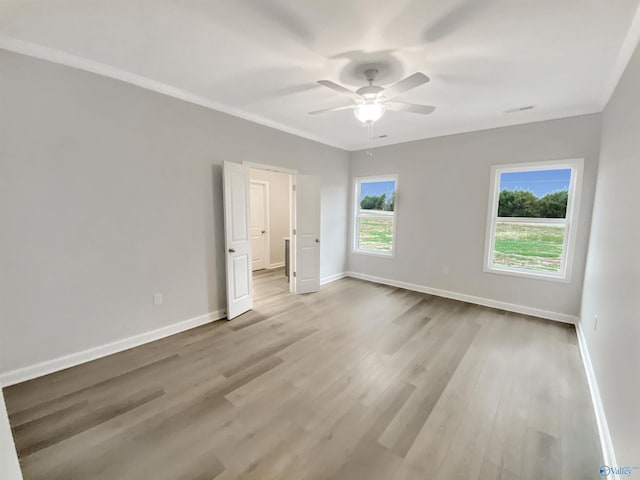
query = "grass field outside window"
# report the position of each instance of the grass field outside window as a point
(526, 245)
(375, 231)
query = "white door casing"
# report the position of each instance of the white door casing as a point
(237, 238)
(259, 218)
(307, 263)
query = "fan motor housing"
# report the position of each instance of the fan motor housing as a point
(370, 91)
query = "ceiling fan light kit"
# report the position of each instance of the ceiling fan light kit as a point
(369, 112)
(371, 101)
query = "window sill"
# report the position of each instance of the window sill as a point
(528, 274)
(372, 253)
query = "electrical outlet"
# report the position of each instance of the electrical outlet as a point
(445, 269)
(595, 322)
(157, 299)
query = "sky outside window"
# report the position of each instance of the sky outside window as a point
(375, 189)
(538, 182)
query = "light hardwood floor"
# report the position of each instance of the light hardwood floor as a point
(359, 381)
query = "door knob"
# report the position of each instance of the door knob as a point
(232, 250)
(263, 231)
(317, 240)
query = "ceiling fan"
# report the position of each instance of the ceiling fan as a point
(371, 101)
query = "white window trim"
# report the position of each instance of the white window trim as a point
(573, 208)
(356, 207)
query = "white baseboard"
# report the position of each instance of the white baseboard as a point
(44, 368)
(608, 453)
(332, 278)
(275, 265)
(487, 302)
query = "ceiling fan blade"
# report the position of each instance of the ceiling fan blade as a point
(338, 88)
(409, 107)
(404, 85)
(334, 109)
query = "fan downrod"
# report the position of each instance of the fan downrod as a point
(370, 91)
(371, 74)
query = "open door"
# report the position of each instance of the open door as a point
(307, 264)
(237, 238)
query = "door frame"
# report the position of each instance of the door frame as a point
(293, 177)
(267, 221)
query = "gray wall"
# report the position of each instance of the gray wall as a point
(111, 193)
(279, 211)
(443, 192)
(612, 279)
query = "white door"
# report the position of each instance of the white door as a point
(307, 278)
(259, 212)
(236, 234)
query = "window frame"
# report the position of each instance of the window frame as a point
(356, 216)
(571, 220)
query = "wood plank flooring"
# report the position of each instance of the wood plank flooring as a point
(359, 381)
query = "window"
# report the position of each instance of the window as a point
(531, 225)
(375, 215)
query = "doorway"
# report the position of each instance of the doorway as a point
(302, 223)
(271, 225)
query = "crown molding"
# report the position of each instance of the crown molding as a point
(67, 59)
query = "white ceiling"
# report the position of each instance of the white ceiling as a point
(260, 59)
